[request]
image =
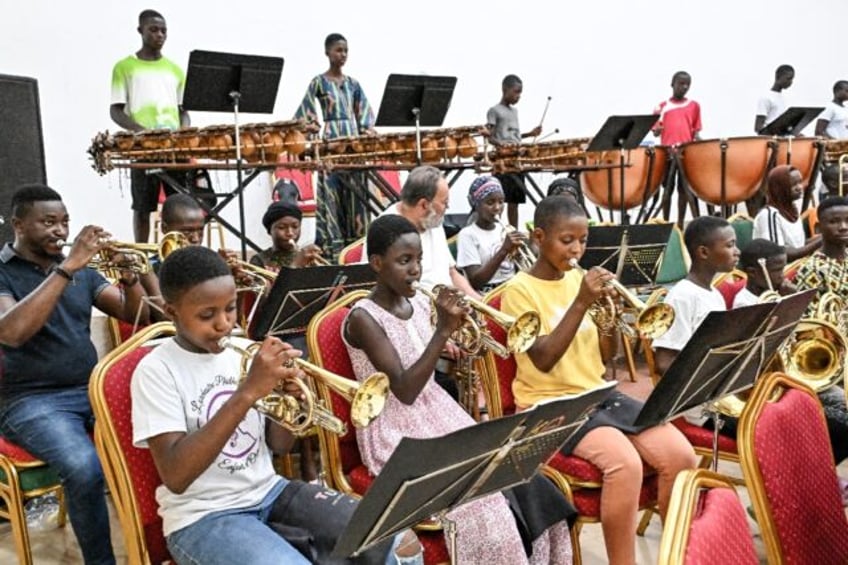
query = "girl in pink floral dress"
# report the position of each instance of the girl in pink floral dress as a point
(390, 331)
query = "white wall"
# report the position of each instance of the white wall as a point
(593, 58)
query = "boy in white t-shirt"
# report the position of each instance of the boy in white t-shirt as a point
(773, 104)
(833, 121)
(221, 500)
(484, 250)
(711, 243)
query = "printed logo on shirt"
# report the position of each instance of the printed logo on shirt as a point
(242, 449)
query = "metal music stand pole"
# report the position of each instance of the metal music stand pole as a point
(230, 82)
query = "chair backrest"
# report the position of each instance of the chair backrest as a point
(743, 225)
(705, 514)
(327, 350)
(788, 466)
(352, 253)
(729, 285)
(130, 472)
(498, 373)
(675, 261)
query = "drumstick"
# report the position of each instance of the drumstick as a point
(556, 131)
(545, 111)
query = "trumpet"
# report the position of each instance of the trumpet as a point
(139, 253)
(473, 336)
(651, 321)
(367, 399)
(523, 256)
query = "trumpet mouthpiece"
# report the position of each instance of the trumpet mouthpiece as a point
(224, 342)
(61, 242)
(573, 262)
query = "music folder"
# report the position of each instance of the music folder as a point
(724, 356)
(427, 477)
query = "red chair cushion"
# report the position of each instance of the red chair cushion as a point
(16, 453)
(729, 289)
(792, 448)
(140, 466)
(721, 523)
(353, 254)
(126, 330)
(702, 437)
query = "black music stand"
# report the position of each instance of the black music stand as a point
(415, 100)
(428, 477)
(724, 356)
(229, 82)
(632, 252)
(621, 132)
(791, 122)
(298, 294)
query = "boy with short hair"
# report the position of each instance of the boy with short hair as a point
(773, 104)
(220, 499)
(774, 257)
(568, 358)
(833, 121)
(711, 243)
(282, 222)
(502, 122)
(147, 93)
(826, 269)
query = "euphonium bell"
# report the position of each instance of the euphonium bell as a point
(651, 321)
(367, 399)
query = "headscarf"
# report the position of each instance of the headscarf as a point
(280, 209)
(779, 192)
(483, 187)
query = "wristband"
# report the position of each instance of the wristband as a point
(63, 273)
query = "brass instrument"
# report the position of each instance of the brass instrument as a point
(770, 295)
(521, 332)
(651, 321)
(367, 399)
(523, 256)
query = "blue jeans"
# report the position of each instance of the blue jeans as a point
(245, 535)
(54, 427)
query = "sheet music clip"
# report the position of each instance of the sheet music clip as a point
(429, 477)
(415, 100)
(791, 122)
(298, 294)
(620, 133)
(228, 82)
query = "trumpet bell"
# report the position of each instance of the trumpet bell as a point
(369, 399)
(522, 332)
(655, 320)
(816, 354)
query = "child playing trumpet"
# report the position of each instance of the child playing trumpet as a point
(485, 252)
(282, 222)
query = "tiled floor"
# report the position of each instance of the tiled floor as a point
(59, 546)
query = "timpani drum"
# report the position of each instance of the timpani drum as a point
(803, 155)
(725, 171)
(641, 179)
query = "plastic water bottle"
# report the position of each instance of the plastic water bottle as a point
(42, 513)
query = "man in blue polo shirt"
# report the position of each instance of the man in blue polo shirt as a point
(45, 315)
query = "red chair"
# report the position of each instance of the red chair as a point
(579, 480)
(130, 472)
(729, 284)
(340, 454)
(23, 477)
(352, 253)
(705, 514)
(788, 465)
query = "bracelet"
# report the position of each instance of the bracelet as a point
(63, 273)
